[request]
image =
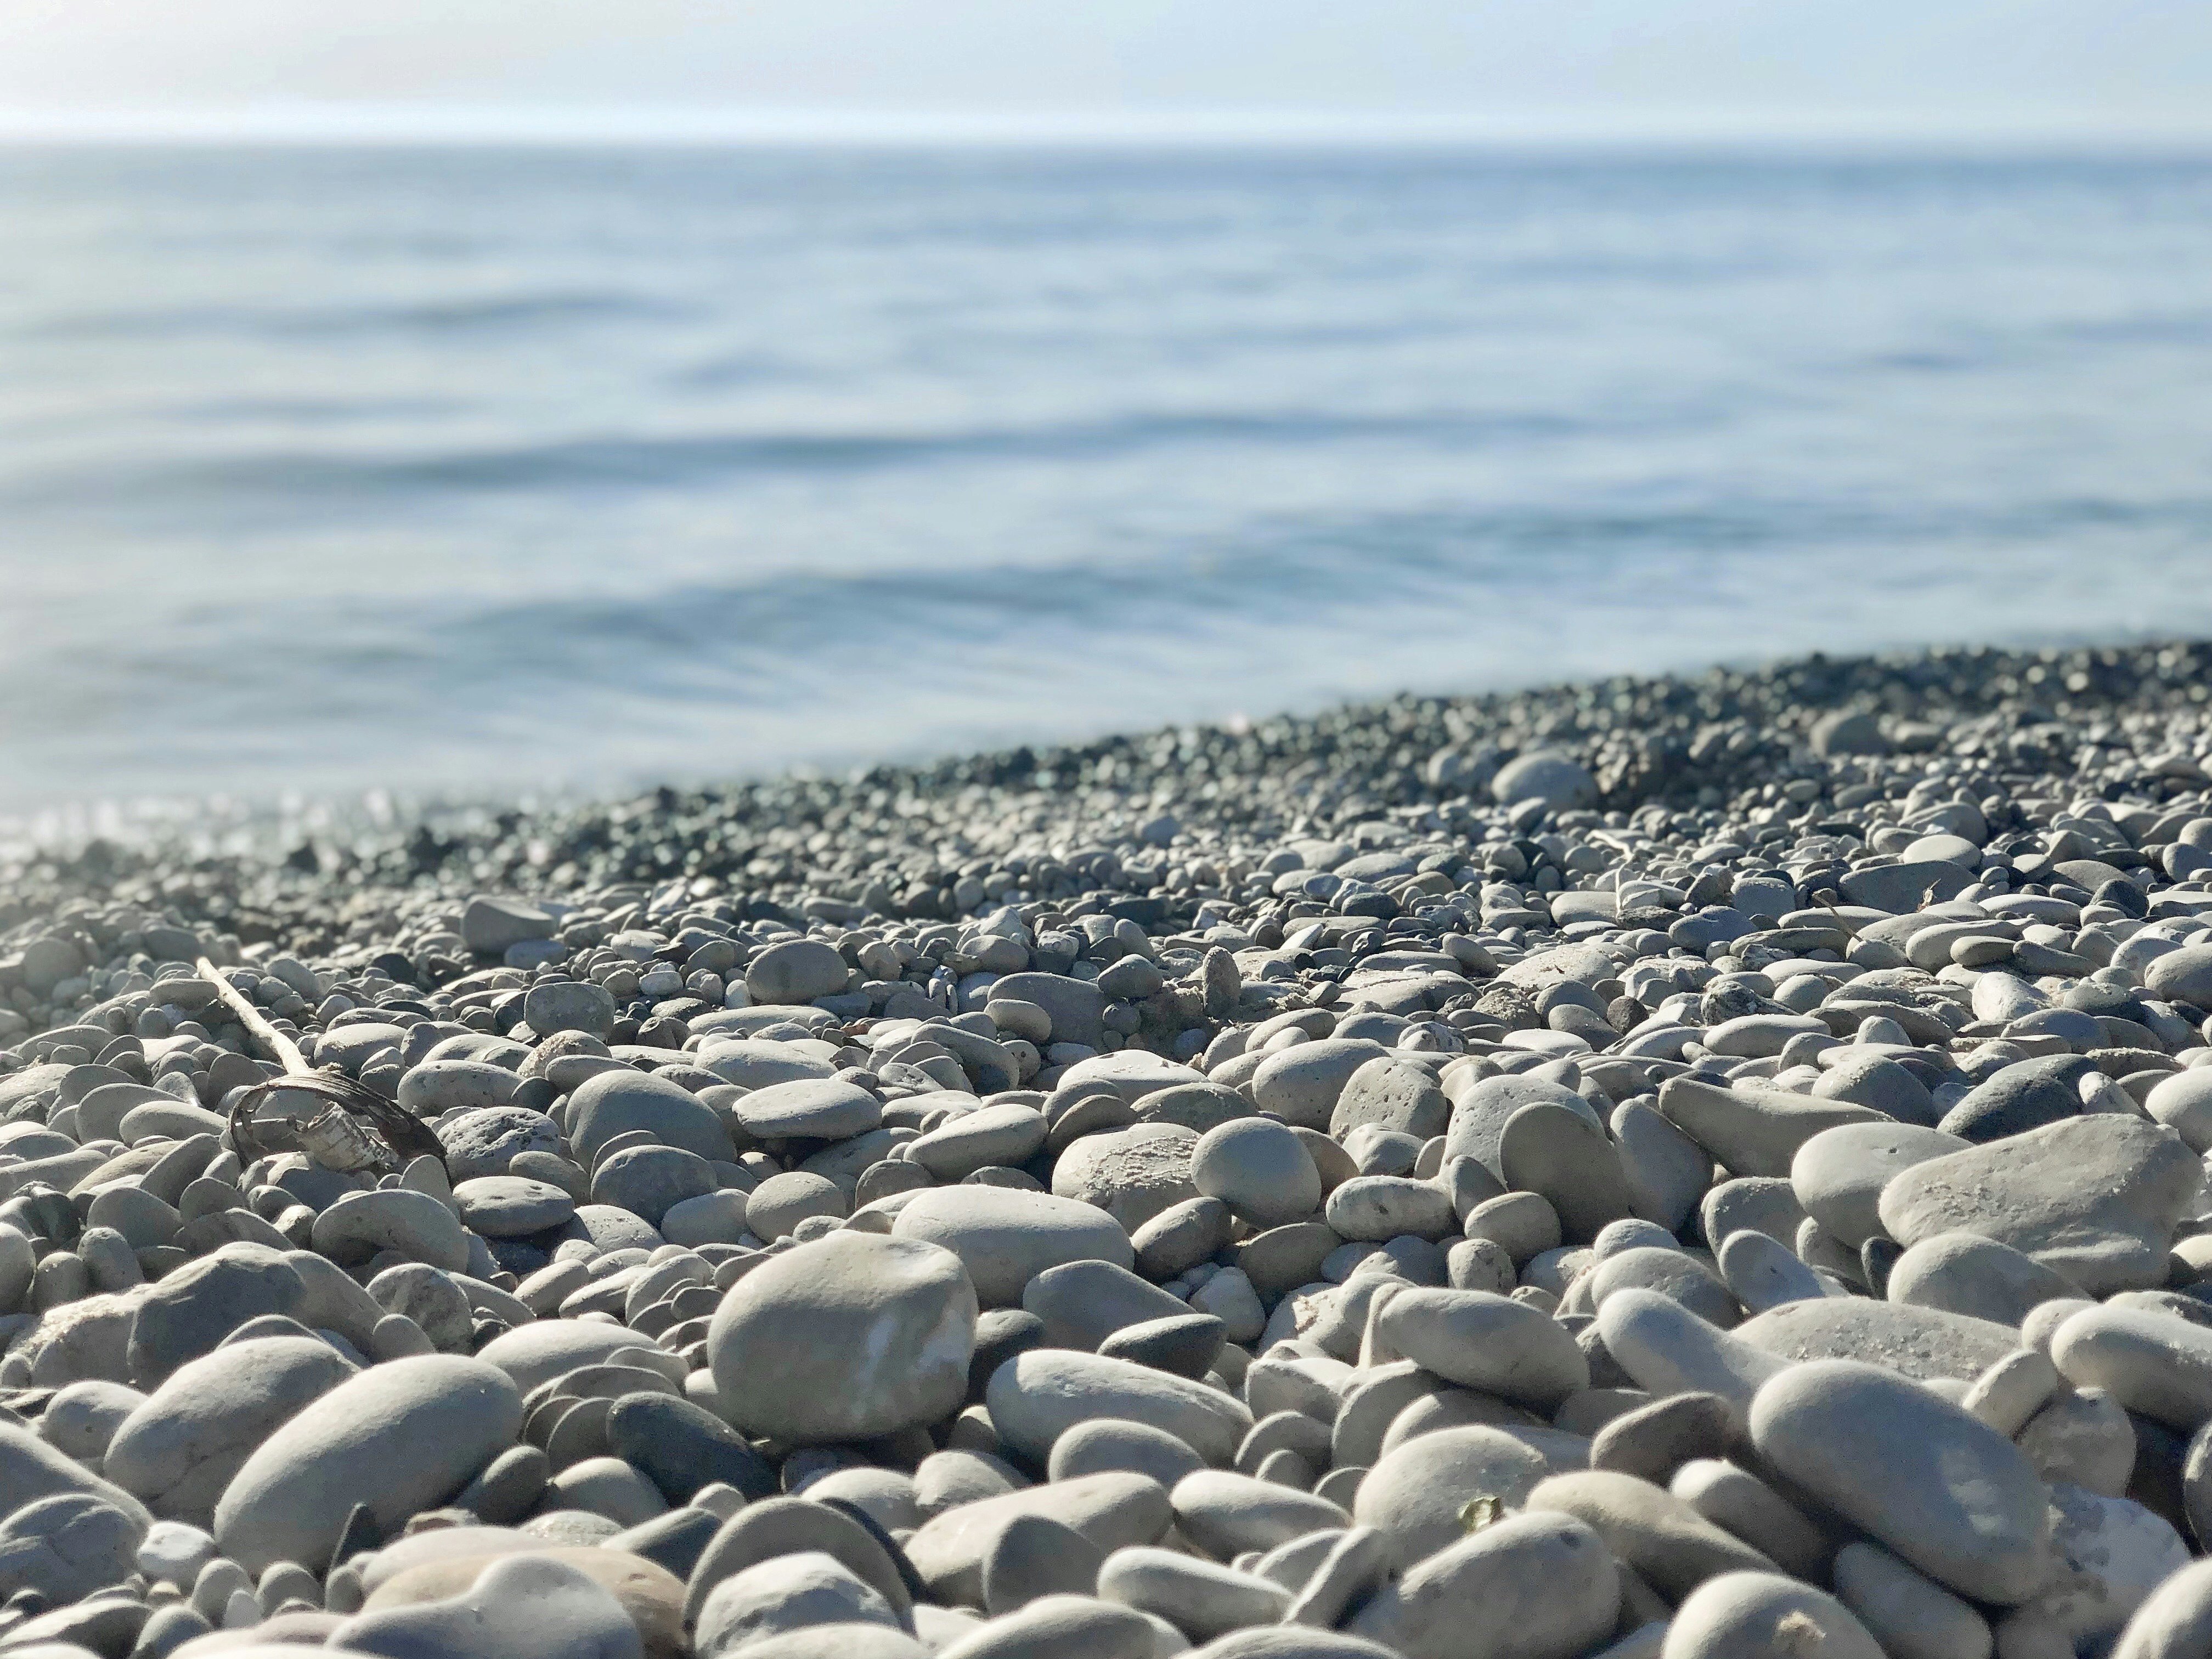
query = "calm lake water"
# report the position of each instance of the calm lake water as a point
(486, 471)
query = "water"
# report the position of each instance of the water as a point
(486, 471)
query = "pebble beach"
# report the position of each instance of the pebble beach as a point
(1706, 1167)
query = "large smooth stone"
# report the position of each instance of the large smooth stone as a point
(1667, 1172)
(1131, 1073)
(1669, 1350)
(1921, 1343)
(2026, 1095)
(810, 1109)
(1302, 1084)
(1060, 1623)
(522, 1606)
(401, 1438)
(180, 1449)
(680, 1446)
(399, 1575)
(1075, 1006)
(30, 1469)
(99, 1114)
(607, 1228)
(510, 1206)
(1753, 1128)
(1648, 1528)
(1037, 1396)
(1839, 1173)
(2153, 1364)
(2112, 1553)
(68, 1546)
(1417, 1495)
(796, 970)
(1259, 1169)
(2183, 1103)
(1084, 1303)
(438, 1087)
(1877, 1081)
(1482, 1109)
(1487, 1342)
(418, 1226)
(757, 1063)
(485, 1143)
(1910, 1614)
(1378, 1208)
(1903, 888)
(788, 1526)
(1764, 1615)
(1006, 1236)
(648, 1181)
(785, 1593)
(1196, 1597)
(1131, 1174)
(2095, 1198)
(492, 922)
(1944, 1491)
(81, 1418)
(616, 1103)
(1112, 1509)
(569, 1004)
(350, 1048)
(848, 1338)
(1552, 776)
(1966, 1273)
(1549, 1149)
(1762, 1274)
(2084, 1437)
(1531, 1587)
(536, 1353)
(193, 1308)
(334, 1300)
(1008, 1136)
(1390, 1094)
(1227, 1515)
(1670, 1272)
(174, 1120)
(2182, 975)
(2174, 1621)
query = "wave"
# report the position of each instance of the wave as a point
(488, 314)
(570, 465)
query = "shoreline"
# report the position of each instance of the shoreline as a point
(1784, 694)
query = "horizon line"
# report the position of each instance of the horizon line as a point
(336, 123)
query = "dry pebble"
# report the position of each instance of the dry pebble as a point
(1677, 1169)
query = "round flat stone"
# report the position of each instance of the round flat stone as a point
(809, 1109)
(510, 1206)
(612, 1103)
(650, 1181)
(1259, 1169)
(568, 1005)
(796, 971)
(1007, 1136)
(849, 1338)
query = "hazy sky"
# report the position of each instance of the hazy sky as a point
(1943, 64)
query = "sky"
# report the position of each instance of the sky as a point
(2000, 66)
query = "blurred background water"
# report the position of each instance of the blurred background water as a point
(486, 469)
